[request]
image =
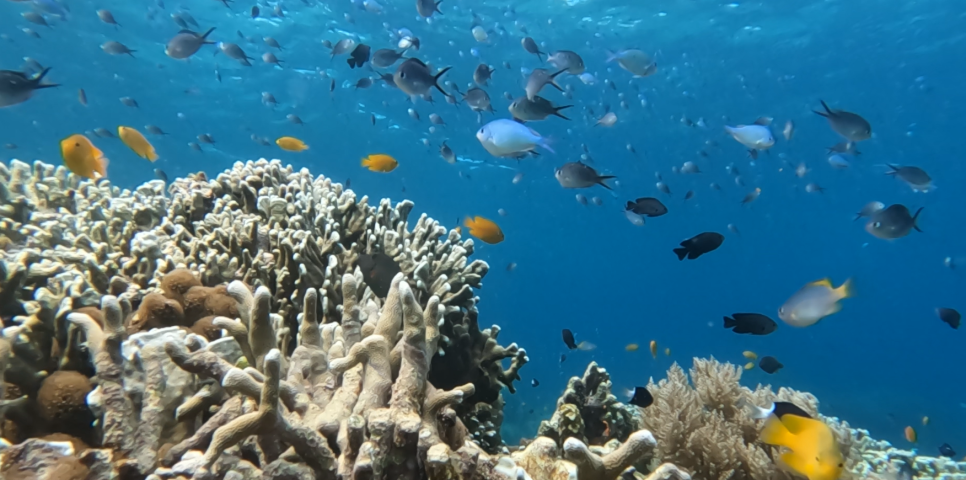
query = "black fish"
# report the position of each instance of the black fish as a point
(947, 451)
(949, 316)
(787, 408)
(563, 357)
(359, 56)
(535, 383)
(648, 206)
(770, 364)
(568, 338)
(698, 245)
(642, 398)
(378, 271)
(750, 323)
(161, 175)
(255, 11)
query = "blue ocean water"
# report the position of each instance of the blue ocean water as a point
(882, 363)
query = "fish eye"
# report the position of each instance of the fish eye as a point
(841, 465)
(876, 224)
(77, 144)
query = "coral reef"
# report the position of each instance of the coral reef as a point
(240, 328)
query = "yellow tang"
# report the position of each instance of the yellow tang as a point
(82, 157)
(291, 144)
(812, 448)
(380, 162)
(137, 143)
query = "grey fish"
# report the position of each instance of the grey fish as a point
(294, 119)
(103, 132)
(844, 147)
(36, 18)
(116, 48)
(129, 102)
(15, 87)
(206, 138)
(186, 43)
(107, 17)
(648, 206)
(427, 8)
(413, 77)
(364, 82)
(540, 78)
(343, 46)
(892, 222)
(235, 52)
(385, 58)
(478, 100)
(567, 60)
(482, 74)
(187, 18)
(869, 209)
(915, 177)
(271, 42)
(31, 66)
(447, 153)
(530, 45)
(154, 130)
(161, 175)
(271, 59)
(847, 124)
(535, 110)
(634, 61)
(579, 175)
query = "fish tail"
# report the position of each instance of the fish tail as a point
(556, 111)
(775, 433)
(40, 77)
(827, 112)
(205, 36)
(436, 7)
(915, 218)
(894, 168)
(545, 143)
(601, 178)
(436, 80)
(365, 161)
(847, 289)
(730, 323)
(681, 252)
(611, 56)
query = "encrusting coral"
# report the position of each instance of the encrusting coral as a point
(230, 328)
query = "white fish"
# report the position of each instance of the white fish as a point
(634, 218)
(507, 138)
(755, 137)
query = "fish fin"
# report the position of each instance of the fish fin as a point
(545, 143)
(775, 433)
(365, 162)
(556, 111)
(894, 168)
(205, 36)
(40, 77)
(847, 289)
(436, 7)
(601, 178)
(728, 321)
(520, 121)
(469, 223)
(915, 218)
(436, 80)
(611, 56)
(681, 252)
(825, 282)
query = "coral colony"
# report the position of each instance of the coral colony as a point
(250, 327)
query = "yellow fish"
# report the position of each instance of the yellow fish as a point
(813, 450)
(484, 229)
(82, 158)
(653, 347)
(380, 162)
(291, 144)
(749, 365)
(667, 351)
(814, 302)
(750, 355)
(632, 347)
(136, 142)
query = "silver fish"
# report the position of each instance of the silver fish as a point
(413, 77)
(535, 110)
(187, 43)
(540, 78)
(579, 175)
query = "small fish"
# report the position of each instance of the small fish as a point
(608, 120)
(271, 42)
(255, 11)
(750, 323)
(567, 60)
(770, 365)
(789, 130)
(291, 144)
(507, 138)
(447, 153)
(540, 78)
(482, 74)
(484, 229)
(568, 338)
(653, 348)
(414, 78)
(359, 56)
(137, 143)
(917, 178)
(82, 158)
(910, 434)
(779, 409)
(103, 133)
(187, 43)
(129, 102)
(634, 61)
(814, 301)
(35, 18)
(385, 58)
(585, 346)
(581, 199)
(534, 383)
(893, 222)
(82, 97)
(511, 266)
(579, 175)
(563, 357)
(632, 347)
(749, 365)
(206, 138)
(698, 245)
(947, 451)
(478, 100)
(235, 52)
(293, 118)
(380, 162)
(749, 355)
(530, 45)
(107, 17)
(751, 196)
(635, 218)
(271, 59)
(847, 124)
(869, 209)
(426, 8)
(949, 316)
(754, 137)
(161, 175)
(641, 397)
(925, 421)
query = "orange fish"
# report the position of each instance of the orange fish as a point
(83, 158)
(654, 348)
(137, 143)
(910, 434)
(380, 162)
(484, 229)
(291, 144)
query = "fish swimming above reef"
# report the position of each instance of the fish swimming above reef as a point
(16, 87)
(813, 450)
(750, 323)
(378, 270)
(815, 301)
